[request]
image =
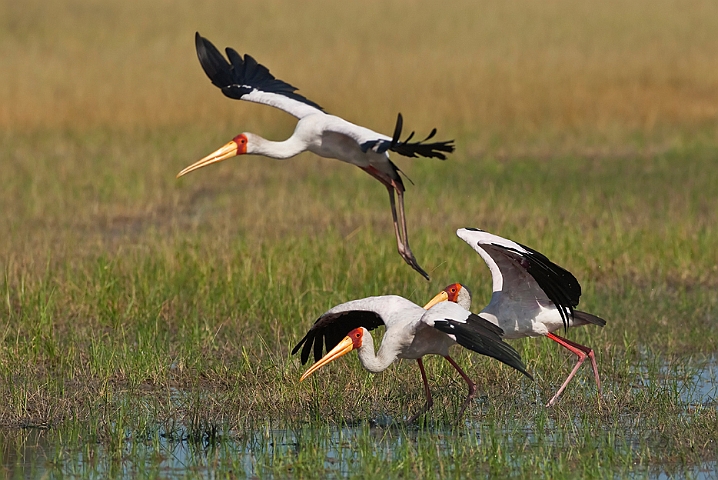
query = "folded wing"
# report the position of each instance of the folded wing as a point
(473, 332)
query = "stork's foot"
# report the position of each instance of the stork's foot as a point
(469, 398)
(409, 258)
(427, 406)
(582, 352)
(581, 357)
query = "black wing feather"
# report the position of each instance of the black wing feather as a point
(481, 336)
(559, 285)
(408, 149)
(331, 328)
(213, 63)
(250, 68)
(240, 76)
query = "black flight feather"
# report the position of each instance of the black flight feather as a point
(559, 285)
(240, 76)
(482, 336)
(331, 328)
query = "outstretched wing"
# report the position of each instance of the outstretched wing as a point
(523, 273)
(245, 79)
(334, 325)
(473, 332)
(408, 148)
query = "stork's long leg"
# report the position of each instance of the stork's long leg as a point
(408, 255)
(402, 244)
(429, 400)
(582, 352)
(399, 240)
(472, 385)
(591, 356)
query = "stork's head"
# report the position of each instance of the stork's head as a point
(456, 293)
(239, 145)
(352, 341)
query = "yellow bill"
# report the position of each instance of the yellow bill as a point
(442, 296)
(228, 151)
(344, 347)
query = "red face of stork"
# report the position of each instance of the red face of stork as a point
(238, 146)
(352, 341)
(456, 293)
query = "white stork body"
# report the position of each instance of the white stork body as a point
(322, 134)
(411, 333)
(316, 131)
(532, 296)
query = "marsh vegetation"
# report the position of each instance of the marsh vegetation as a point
(146, 322)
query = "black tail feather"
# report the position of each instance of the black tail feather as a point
(419, 149)
(587, 318)
(397, 129)
(408, 149)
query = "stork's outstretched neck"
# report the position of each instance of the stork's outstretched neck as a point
(241, 77)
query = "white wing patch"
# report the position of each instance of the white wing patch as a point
(443, 311)
(356, 132)
(289, 105)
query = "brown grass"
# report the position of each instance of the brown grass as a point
(558, 71)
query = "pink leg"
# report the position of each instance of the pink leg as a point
(403, 238)
(582, 352)
(591, 357)
(402, 241)
(472, 385)
(429, 400)
(399, 239)
(390, 188)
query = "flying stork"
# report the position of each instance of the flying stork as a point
(411, 332)
(316, 131)
(532, 296)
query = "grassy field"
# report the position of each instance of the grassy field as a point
(146, 322)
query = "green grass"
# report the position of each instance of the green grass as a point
(142, 316)
(202, 290)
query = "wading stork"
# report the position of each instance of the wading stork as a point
(532, 296)
(316, 131)
(411, 332)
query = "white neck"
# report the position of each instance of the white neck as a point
(280, 150)
(379, 362)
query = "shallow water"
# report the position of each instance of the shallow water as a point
(702, 388)
(265, 454)
(695, 382)
(329, 451)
